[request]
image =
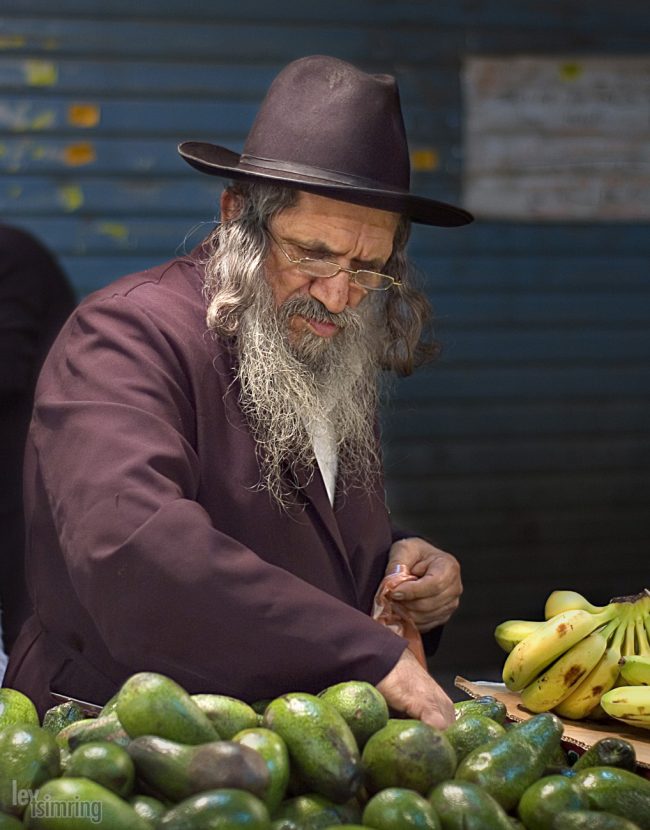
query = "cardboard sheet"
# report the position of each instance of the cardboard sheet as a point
(581, 734)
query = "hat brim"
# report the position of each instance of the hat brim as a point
(219, 161)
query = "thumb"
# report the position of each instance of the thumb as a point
(402, 557)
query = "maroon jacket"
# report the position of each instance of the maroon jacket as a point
(149, 547)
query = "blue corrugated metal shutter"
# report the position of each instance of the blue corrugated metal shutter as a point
(526, 449)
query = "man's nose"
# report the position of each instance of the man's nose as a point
(335, 293)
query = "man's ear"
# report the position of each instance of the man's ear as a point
(231, 205)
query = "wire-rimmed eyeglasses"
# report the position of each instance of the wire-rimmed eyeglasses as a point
(325, 269)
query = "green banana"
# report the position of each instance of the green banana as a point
(509, 633)
(629, 645)
(630, 704)
(553, 685)
(642, 642)
(555, 636)
(584, 698)
(561, 600)
(635, 669)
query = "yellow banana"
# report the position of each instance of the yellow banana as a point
(630, 704)
(553, 685)
(555, 636)
(509, 633)
(584, 699)
(560, 601)
(635, 669)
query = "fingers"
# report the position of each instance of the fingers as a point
(440, 714)
(406, 552)
(410, 689)
(428, 618)
(434, 595)
(436, 569)
(427, 605)
(439, 576)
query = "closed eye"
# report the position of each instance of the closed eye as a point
(310, 253)
(329, 256)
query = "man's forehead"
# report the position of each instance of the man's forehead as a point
(320, 216)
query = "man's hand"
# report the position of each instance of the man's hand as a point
(434, 596)
(410, 689)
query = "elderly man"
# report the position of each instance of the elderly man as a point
(203, 477)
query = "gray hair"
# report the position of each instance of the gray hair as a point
(236, 251)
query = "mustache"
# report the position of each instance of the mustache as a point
(312, 309)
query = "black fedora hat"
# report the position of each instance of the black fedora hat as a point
(328, 128)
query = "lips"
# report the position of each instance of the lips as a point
(323, 329)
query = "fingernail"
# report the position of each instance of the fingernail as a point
(397, 595)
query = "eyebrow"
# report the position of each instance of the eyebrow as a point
(319, 247)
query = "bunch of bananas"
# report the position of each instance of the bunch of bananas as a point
(582, 660)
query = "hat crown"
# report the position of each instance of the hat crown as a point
(328, 128)
(324, 114)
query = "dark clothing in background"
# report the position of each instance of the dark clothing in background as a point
(35, 300)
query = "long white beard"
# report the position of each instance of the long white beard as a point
(290, 384)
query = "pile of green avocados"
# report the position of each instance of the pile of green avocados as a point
(159, 757)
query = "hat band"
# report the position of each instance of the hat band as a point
(321, 174)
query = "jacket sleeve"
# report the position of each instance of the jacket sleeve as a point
(113, 430)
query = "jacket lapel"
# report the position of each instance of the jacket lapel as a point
(313, 488)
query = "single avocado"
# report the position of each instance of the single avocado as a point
(149, 808)
(227, 715)
(608, 752)
(225, 808)
(177, 771)
(461, 805)
(546, 797)
(407, 753)
(110, 705)
(508, 765)
(274, 751)
(486, 705)
(471, 731)
(362, 706)
(153, 704)
(29, 756)
(322, 749)
(312, 811)
(617, 791)
(108, 764)
(398, 808)
(16, 708)
(80, 804)
(62, 715)
(104, 728)
(591, 820)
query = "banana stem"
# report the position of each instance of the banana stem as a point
(621, 630)
(642, 643)
(609, 629)
(628, 647)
